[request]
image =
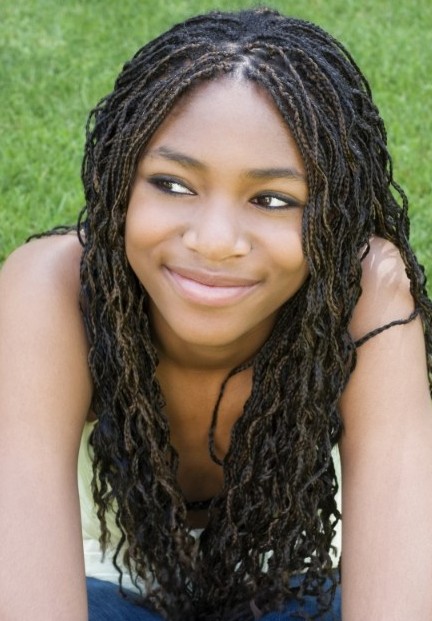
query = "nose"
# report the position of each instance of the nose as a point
(217, 231)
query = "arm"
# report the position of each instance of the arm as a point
(45, 394)
(386, 452)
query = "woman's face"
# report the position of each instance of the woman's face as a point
(213, 228)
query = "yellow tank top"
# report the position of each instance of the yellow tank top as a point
(95, 565)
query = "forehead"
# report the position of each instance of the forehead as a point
(229, 115)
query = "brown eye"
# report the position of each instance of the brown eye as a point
(275, 201)
(171, 186)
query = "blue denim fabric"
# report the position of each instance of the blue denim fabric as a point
(106, 604)
(293, 612)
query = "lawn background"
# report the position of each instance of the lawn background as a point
(56, 61)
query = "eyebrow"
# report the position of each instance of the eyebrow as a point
(275, 173)
(255, 173)
(176, 156)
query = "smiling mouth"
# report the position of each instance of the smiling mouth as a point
(210, 289)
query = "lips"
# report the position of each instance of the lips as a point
(209, 288)
(212, 279)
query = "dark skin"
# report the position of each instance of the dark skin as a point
(208, 209)
(189, 413)
(249, 234)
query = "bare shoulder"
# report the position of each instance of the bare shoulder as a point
(381, 386)
(42, 336)
(385, 286)
(44, 263)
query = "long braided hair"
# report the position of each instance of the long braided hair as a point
(276, 514)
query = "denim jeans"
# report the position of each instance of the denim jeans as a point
(106, 604)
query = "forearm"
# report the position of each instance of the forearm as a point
(41, 564)
(387, 537)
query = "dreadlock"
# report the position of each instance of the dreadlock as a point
(276, 514)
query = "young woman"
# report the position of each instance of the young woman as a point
(238, 298)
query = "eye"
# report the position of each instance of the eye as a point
(273, 202)
(170, 185)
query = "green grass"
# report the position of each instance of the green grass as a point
(56, 61)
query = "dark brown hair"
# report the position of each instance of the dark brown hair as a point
(275, 516)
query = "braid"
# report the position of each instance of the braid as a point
(276, 514)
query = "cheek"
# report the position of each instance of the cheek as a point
(287, 253)
(145, 227)
(139, 237)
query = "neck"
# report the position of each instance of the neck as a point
(198, 358)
